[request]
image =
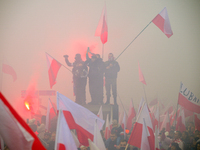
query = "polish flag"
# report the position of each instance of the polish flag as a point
(121, 116)
(107, 129)
(180, 126)
(197, 122)
(100, 113)
(141, 77)
(157, 119)
(9, 70)
(140, 106)
(75, 139)
(102, 28)
(157, 146)
(64, 139)
(51, 113)
(124, 123)
(14, 130)
(163, 23)
(136, 135)
(98, 140)
(53, 68)
(131, 115)
(166, 123)
(111, 121)
(145, 134)
(170, 109)
(78, 118)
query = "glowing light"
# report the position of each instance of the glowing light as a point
(27, 105)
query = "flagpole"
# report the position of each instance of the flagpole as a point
(60, 63)
(132, 41)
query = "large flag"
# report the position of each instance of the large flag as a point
(14, 130)
(163, 23)
(107, 128)
(141, 77)
(64, 139)
(102, 28)
(188, 100)
(51, 113)
(9, 70)
(180, 126)
(53, 68)
(100, 113)
(136, 135)
(145, 134)
(78, 118)
(131, 115)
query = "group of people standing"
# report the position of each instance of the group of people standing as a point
(96, 73)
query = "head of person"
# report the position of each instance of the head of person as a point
(198, 146)
(98, 56)
(123, 144)
(177, 134)
(110, 57)
(114, 124)
(113, 136)
(93, 58)
(47, 136)
(78, 57)
(185, 135)
(83, 147)
(175, 146)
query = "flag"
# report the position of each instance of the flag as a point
(53, 68)
(170, 110)
(100, 113)
(14, 130)
(197, 122)
(78, 118)
(75, 139)
(51, 113)
(111, 120)
(153, 102)
(141, 77)
(180, 126)
(131, 115)
(64, 139)
(107, 129)
(98, 140)
(102, 28)
(92, 145)
(157, 146)
(124, 123)
(188, 100)
(145, 134)
(136, 135)
(140, 106)
(121, 116)
(9, 70)
(157, 119)
(166, 123)
(163, 23)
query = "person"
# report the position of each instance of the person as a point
(113, 142)
(122, 145)
(79, 72)
(112, 69)
(95, 75)
(174, 146)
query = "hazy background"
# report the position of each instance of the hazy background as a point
(28, 29)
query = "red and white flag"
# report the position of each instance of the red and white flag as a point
(107, 129)
(170, 110)
(180, 126)
(14, 130)
(64, 139)
(140, 106)
(102, 28)
(121, 116)
(131, 116)
(9, 70)
(78, 118)
(136, 135)
(163, 23)
(53, 68)
(145, 134)
(157, 146)
(166, 123)
(157, 119)
(51, 113)
(197, 121)
(188, 100)
(141, 77)
(100, 113)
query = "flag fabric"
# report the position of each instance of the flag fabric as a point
(166, 123)
(141, 77)
(78, 118)
(188, 100)
(131, 115)
(153, 102)
(121, 116)
(64, 139)
(100, 113)
(157, 119)
(14, 130)
(145, 134)
(53, 68)
(107, 129)
(124, 123)
(9, 70)
(98, 140)
(163, 23)
(170, 110)
(180, 126)
(92, 145)
(111, 121)
(157, 146)
(51, 113)
(140, 106)
(197, 121)
(136, 134)
(102, 28)
(75, 139)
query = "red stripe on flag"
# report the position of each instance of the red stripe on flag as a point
(159, 21)
(9, 70)
(61, 146)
